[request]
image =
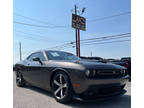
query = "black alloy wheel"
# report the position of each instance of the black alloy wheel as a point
(61, 86)
(19, 79)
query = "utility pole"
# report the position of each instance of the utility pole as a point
(78, 43)
(76, 33)
(20, 50)
(78, 23)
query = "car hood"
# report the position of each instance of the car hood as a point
(86, 64)
(99, 65)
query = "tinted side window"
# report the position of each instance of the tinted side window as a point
(39, 54)
(31, 57)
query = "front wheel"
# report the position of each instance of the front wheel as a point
(61, 86)
(19, 79)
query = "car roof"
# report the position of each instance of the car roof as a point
(49, 50)
(42, 51)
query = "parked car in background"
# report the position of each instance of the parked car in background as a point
(118, 62)
(94, 59)
(91, 58)
(69, 77)
(126, 58)
(128, 64)
(125, 61)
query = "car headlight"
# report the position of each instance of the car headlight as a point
(124, 71)
(87, 73)
(90, 73)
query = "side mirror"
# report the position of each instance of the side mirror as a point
(37, 59)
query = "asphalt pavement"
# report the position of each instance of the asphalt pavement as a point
(32, 97)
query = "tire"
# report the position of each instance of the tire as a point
(19, 79)
(61, 88)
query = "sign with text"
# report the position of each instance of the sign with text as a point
(78, 22)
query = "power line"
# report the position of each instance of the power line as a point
(62, 26)
(108, 17)
(89, 44)
(123, 35)
(36, 37)
(99, 43)
(23, 35)
(104, 37)
(60, 46)
(107, 42)
(86, 40)
(95, 42)
(37, 40)
(32, 19)
(42, 26)
(30, 38)
(29, 33)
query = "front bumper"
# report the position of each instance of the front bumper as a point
(100, 98)
(88, 84)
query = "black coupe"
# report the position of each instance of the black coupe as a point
(69, 77)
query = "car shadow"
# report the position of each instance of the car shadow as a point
(39, 90)
(117, 102)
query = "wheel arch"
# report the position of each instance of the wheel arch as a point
(18, 67)
(58, 70)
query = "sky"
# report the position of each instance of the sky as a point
(58, 13)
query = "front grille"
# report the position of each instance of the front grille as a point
(105, 74)
(108, 72)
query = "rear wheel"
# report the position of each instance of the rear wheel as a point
(19, 79)
(61, 86)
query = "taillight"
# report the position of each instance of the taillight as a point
(127, 64)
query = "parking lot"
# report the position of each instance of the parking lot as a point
(32, 97)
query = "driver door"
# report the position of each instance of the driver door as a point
(34, 74)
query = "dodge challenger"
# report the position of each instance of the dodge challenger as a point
(69, 77)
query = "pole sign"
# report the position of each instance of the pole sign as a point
(78, 22)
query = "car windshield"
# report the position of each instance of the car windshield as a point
(59, 55)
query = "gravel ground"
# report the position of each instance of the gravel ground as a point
(32, 97)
